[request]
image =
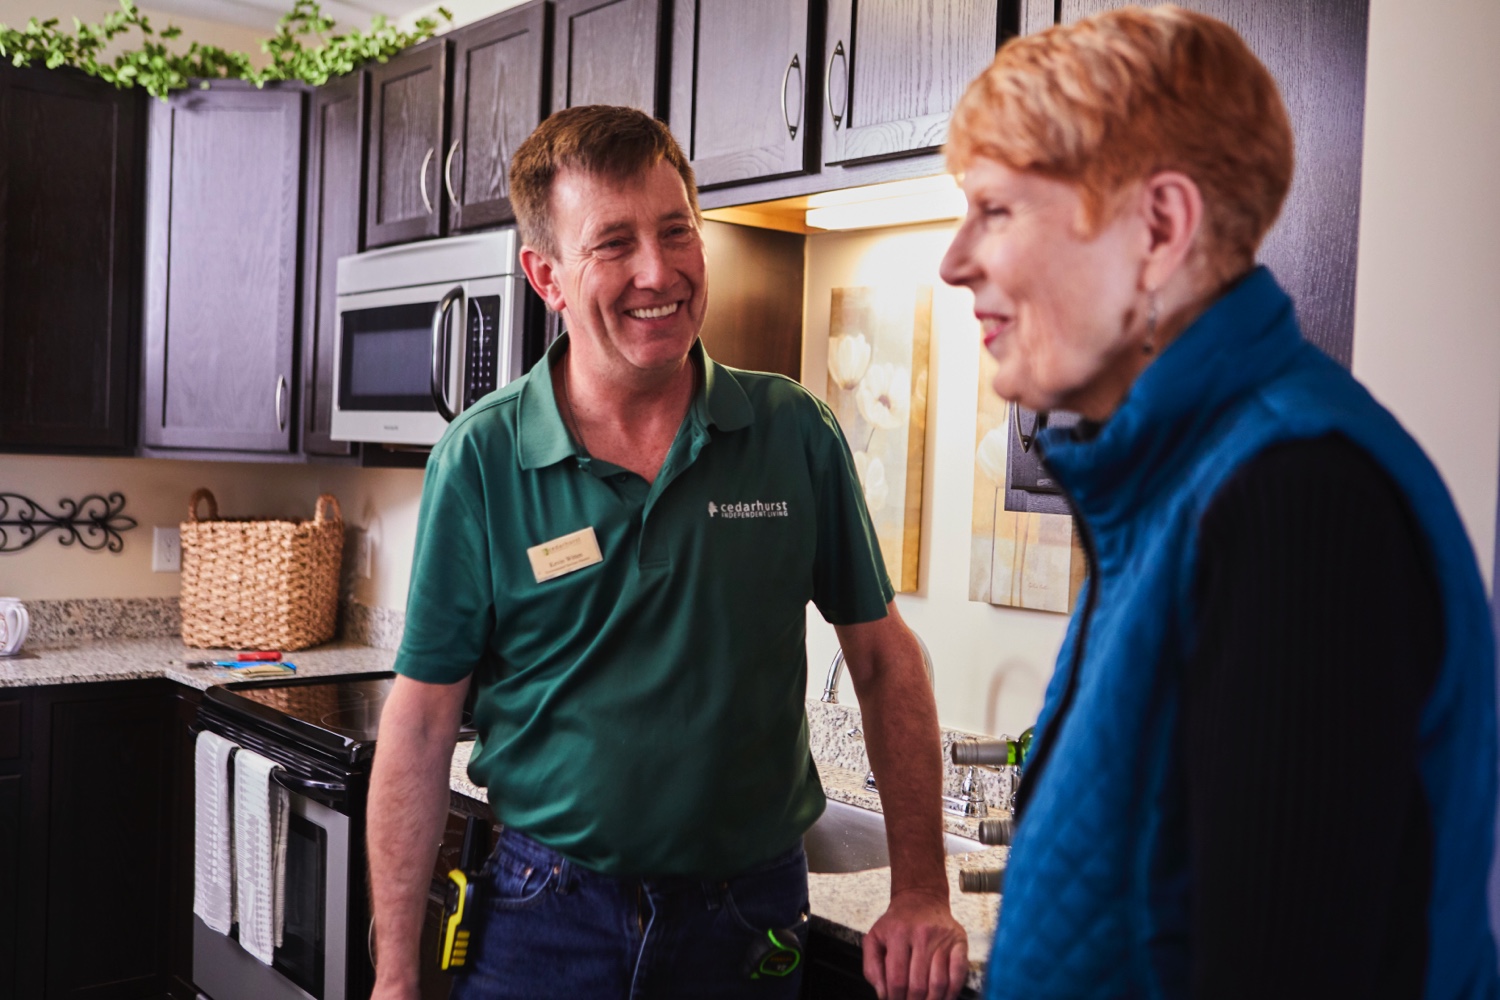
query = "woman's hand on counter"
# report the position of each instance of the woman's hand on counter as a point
(916, 950)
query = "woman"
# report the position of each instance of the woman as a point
(1266, 762)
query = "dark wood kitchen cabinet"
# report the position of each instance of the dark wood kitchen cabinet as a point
(223, 198)
(90, 799)
(335, 190)
(1317, 54)
(894, 70)
(70, 231)
(407, 129)
(611, 52)
(499, 95)
(745, 88)
(14, 784)
(445, 117)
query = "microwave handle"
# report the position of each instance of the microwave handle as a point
(452, 297)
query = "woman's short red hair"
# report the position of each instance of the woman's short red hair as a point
(1114, 98)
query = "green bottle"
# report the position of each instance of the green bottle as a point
(1023, 746)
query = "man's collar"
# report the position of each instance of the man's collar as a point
(544, 440)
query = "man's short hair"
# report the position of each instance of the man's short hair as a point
(1114, 98)
(599, 139)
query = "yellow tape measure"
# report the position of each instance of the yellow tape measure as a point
(453, 939)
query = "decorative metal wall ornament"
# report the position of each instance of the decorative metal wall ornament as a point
(94, 523)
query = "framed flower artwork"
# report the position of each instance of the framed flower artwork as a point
(878, 345)
(1024, 548)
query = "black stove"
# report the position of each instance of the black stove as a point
(336, 718)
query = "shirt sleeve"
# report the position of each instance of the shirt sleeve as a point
(450, 612)
(850, 584)
(1320, 636)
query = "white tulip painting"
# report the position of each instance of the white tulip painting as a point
(878, 343)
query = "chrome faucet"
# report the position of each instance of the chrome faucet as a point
(970, 801)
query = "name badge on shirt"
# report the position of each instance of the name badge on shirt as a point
(564, 555)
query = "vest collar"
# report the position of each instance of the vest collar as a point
(544, 440)
(1249, 333)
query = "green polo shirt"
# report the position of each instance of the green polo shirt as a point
(643, 714)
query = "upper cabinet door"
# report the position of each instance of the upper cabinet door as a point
(742, 90)
(609, 52)
(499, 97)
(69, 260)
(224, 170)
(895, 68)
(335, 184)
(407, 98)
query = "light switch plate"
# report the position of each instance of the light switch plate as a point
(166, 550)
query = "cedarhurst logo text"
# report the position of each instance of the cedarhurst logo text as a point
(754, 508)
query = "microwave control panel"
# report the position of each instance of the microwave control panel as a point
(481, 361)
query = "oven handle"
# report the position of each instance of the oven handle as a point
(307, 786)
(452, 297)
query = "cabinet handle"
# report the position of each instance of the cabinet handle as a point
(280, 393)
(448, 173)
(795, 64)
(426, 201)
(452, 297)
(838, 53)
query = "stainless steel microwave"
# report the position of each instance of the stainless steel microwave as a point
(425, 330)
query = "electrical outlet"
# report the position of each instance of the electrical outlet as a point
(166, 550)
(364, 556)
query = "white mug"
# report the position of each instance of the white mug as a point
(15, 622)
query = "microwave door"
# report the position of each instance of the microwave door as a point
(384, 360)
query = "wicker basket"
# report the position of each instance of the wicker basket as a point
(260, 584)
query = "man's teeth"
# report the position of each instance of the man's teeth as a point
(655, 312)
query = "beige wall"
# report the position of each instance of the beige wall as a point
(1427, 303)
(156, 493)
(991, 664)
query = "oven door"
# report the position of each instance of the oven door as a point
(313, 957)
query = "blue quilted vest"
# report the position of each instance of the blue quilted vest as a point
(1095, 900)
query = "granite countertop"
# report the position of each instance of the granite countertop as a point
(846, 905)
(94, 660)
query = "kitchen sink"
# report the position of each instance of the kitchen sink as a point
(850, 839)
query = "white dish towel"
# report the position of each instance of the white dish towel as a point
(213, 865)
(260, 831)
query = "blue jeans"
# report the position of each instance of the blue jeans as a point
(548, 928)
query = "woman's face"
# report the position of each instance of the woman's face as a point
(1062, 313)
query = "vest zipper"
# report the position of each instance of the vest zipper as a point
(1032, 772)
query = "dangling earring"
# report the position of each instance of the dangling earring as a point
(1153, 312)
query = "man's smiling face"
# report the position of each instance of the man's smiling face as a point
(629, 273)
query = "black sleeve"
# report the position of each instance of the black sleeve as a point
(1320, 635)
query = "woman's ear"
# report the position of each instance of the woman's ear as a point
(1172, 207)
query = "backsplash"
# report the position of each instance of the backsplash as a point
(66, 622)
(56, 623)
(836, 739)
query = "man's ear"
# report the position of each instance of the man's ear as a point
(543, 277)
(1172, 207)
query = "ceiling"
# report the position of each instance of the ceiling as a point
(263, 14)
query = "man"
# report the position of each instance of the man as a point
(621, 546)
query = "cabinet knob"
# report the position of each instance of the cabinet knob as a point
(280, 395)
(426, 201)
(795, 64)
